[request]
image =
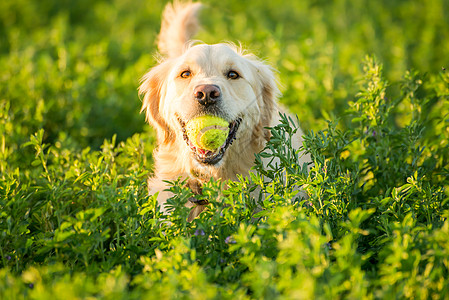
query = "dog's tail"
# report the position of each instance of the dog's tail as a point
(179, 24)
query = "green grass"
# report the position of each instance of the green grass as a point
(75, 217)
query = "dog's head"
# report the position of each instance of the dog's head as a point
(215, 80)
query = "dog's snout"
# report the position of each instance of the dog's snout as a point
(207, 94)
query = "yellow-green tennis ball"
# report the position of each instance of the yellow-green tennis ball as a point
(207, 132)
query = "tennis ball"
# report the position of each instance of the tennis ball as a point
(207, 132)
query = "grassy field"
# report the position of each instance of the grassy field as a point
(369, 84)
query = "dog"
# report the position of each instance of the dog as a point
(194, 79)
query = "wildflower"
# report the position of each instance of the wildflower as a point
(230, 240)
(328, 245)
(199, 232)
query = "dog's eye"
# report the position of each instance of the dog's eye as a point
(233, 75)
(185, 74)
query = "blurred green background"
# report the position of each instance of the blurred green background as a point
(73, 67)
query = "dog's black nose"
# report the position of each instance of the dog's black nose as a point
(207, 94)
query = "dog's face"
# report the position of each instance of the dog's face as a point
(210, 80)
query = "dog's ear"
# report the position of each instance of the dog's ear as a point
(269, 94)
(152, 86)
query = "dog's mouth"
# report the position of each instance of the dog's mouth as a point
(207, 156)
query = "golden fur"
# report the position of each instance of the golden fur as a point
(168, 98)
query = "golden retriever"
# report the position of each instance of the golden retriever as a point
(195, 79)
